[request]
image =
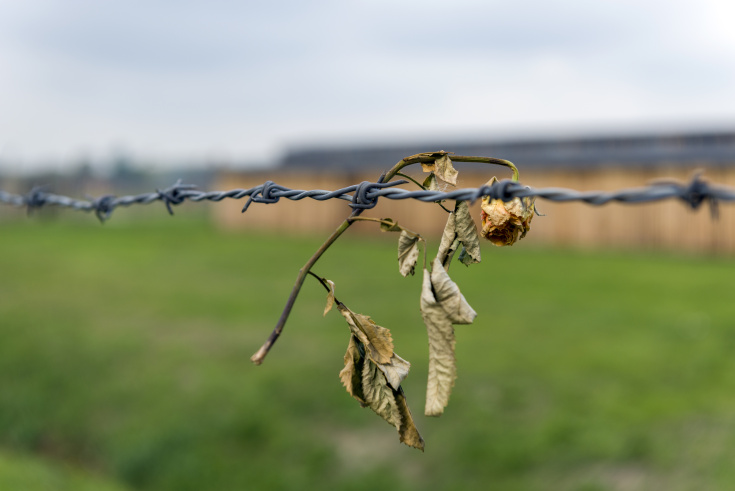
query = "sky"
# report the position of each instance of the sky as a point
(240, 82)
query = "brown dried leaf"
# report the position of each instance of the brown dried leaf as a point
(351, 374)
(459, 230)
(445, 171)
(389, 225)
(377, 340)
(430, 183)
(376, 384)
(466, 231)
(408, 431)
(377, 344)
(330, 297)
(442, 365)
(449, 242)
(408, 253)
(379, 395)
(447, 294)
(395, 371)
(435, 164)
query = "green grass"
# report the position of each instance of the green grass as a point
(124, 351)
(35, 474)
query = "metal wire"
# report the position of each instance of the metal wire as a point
(366, 194)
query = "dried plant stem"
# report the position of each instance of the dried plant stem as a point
(406, 176)
(322, 281)
(260, 355)
(427, 158)
(385, 222)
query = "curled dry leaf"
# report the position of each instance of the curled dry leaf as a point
(505, 223)
(443, 169)
(408, 247)
(390, 404)
(459, 230)
(442, 304)
(442, 365)
(351, 374)
(376, 339)
(378, 385)
(408, 432)
(330, 297)
(379, 395)
(449, 297)
(377, 343)
(408, 253)
(430, 183)
(395, 371)
(466, 230)
(389, 225)
(449, 242)
(465, 258)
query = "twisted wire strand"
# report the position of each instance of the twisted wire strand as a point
(366, 194)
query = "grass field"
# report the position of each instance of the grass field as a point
(124, 356)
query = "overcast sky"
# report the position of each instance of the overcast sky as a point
(241, 81)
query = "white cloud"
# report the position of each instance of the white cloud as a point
(190, 78)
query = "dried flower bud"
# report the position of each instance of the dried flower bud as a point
(504, 223)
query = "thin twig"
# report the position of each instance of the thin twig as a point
(260, 355)
(323, 281)
(406, 176)
(389, 223)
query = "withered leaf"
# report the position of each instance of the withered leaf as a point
(377, 344)
(395, 371)
(449, 242)
(430, 183)
(465, 258)
(330, 297)
(379, 395)
(447, 295)
(408, 431)
(390, 404)
(408, 253)
(374, 383)
(351, 374)
(442, 169)
(442, 365)
(459, 230)
(427, 167)
(441, 166)
(377, 340)
(445, 171)
(389, 225)
(467, 234)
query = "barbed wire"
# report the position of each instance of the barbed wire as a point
(366, 194)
